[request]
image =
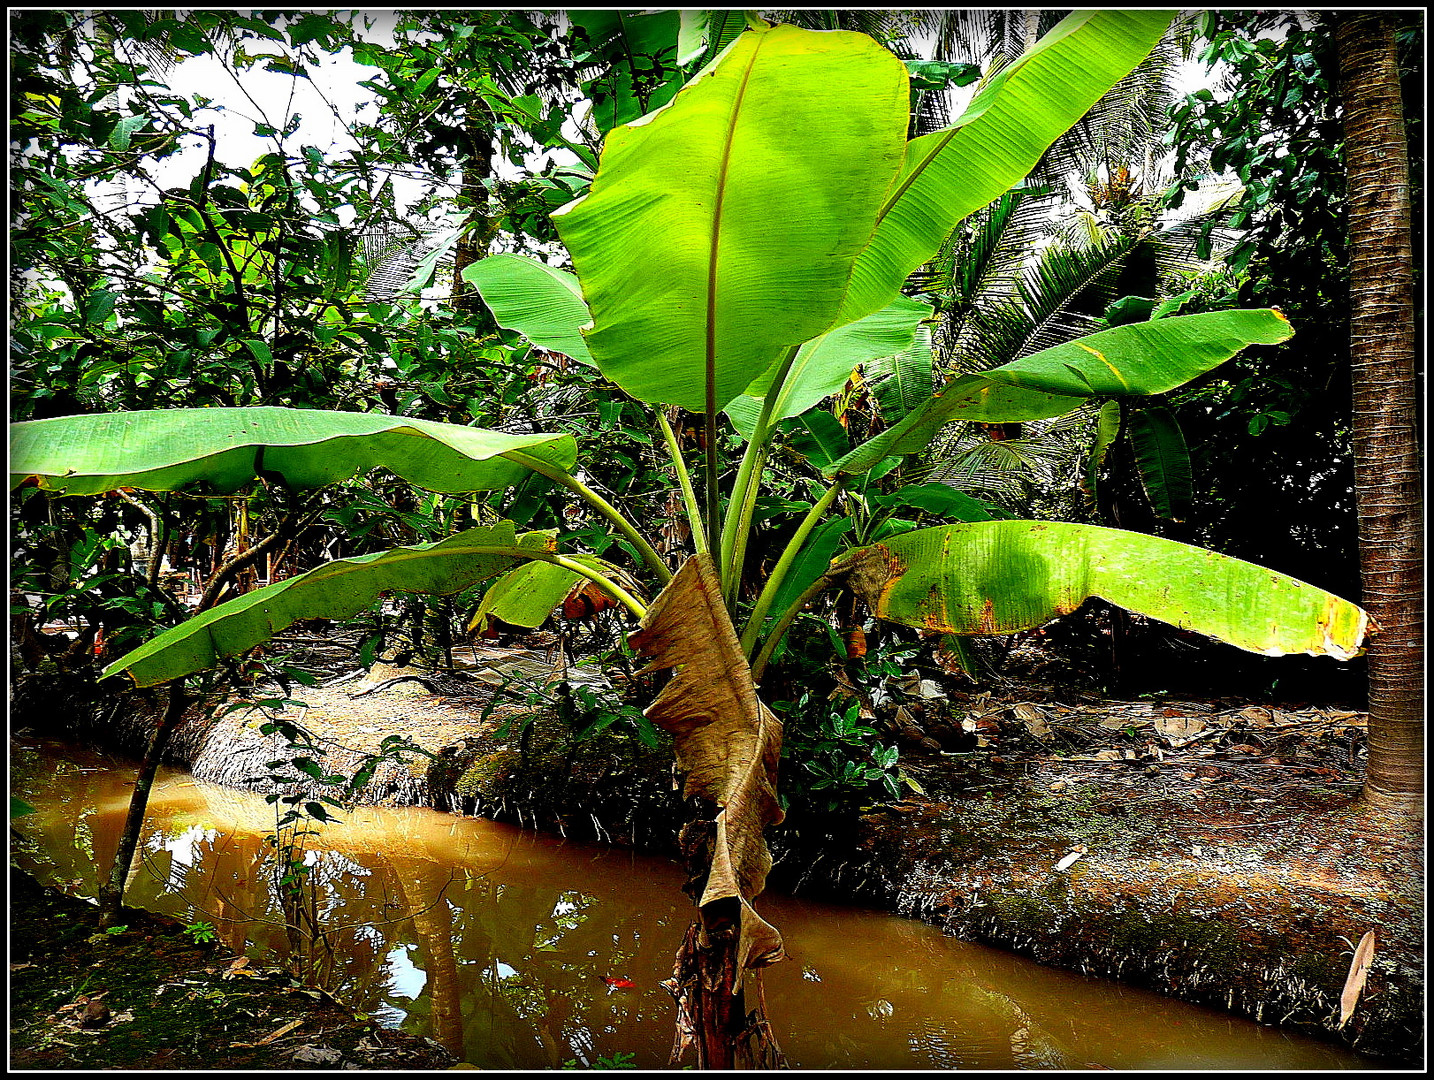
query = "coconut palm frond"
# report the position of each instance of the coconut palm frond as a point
(1038, 315)
(1124, 126)
(1078, 229)
(972, 471)
(1210, 198)
(1075, 423)
(985, 253)
(980, 272)
(1014, 472)
(878, 23)
(394, 252)
(971, 33)
(1188, 247)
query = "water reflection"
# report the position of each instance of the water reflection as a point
(517, 951)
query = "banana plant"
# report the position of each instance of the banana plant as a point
(740, 251)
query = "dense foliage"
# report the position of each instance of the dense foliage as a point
(1270, 433)
(301, 278)
(743, 253)
(1286, 496)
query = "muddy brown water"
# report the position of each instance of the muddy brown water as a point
(518, 950)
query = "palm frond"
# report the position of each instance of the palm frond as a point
(1039, 313)
(394, 252)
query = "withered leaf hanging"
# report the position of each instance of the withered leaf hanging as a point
(726, 742)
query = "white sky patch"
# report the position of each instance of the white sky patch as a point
(404, 979)
(182, 848)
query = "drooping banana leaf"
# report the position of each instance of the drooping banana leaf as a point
(1004, 131)
(997, 577)
(811, 563)
(640, 49)
(902, 382)
(336, 590)
(816, 435)
(704, 34)
(165, 449)
(1126, 361)
(824, 364)
(722, 228)
(541, 302)
(1162, 460)
(940, 499)
(1106, 432)
(727, 744)
(527, 594)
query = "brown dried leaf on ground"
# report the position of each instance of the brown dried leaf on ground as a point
(726, 741)
(1358, 972)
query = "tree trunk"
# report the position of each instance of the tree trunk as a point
(473, 199)
(713, 1013)
(112, 891)
(1386, 450)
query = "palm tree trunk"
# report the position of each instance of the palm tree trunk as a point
(1386, 450)
(473, 199)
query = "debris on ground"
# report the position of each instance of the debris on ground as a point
(143, 996)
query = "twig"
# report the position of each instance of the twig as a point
(1249, 824)
(398, 679)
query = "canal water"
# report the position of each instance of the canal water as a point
(523, 951)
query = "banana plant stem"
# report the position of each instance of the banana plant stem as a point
(759, 665)
(744, 511)
(602, 506)
(748, 482)
(684, 480)
(714, 497)
(784, 565)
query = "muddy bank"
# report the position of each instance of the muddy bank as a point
(1220, 857)
(615, 789)
(1209, 906)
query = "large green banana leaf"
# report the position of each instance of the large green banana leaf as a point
(164, 449)
(997, 577)
(640, 51)
(998, 140)
(1126, 361)
(824, 364)
(336, 590)
(1163, 461)
(541, 302)
(723, 227)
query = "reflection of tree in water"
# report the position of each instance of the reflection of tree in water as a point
(513, 968)
(514, 935)
(422, 884)
(78, 832)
